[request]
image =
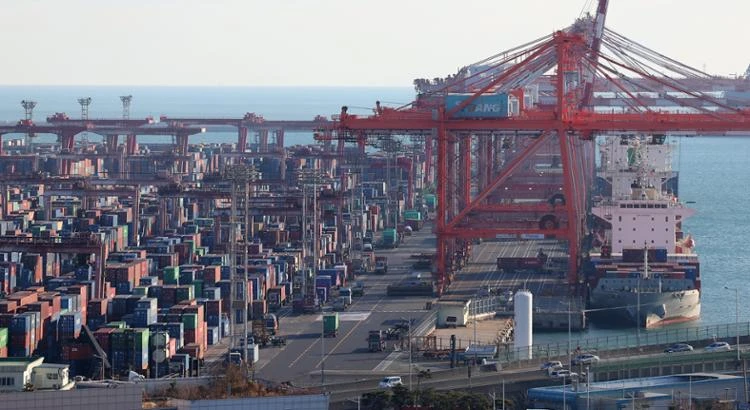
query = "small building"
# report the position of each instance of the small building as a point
(16, 373)
(452, 313)
(704, 389)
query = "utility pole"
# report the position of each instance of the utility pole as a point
(240, 175)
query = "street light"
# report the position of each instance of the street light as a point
(736, 318)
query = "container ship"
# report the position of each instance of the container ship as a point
(646, 272)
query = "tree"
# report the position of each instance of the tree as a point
(402, 396)
(378, 400)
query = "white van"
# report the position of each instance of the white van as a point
(390, 381)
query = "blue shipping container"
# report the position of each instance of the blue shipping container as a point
(484, 106)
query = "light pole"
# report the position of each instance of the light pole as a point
(570, 361)
(736, 318)
(410, 363)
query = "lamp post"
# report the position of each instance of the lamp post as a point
(570, 361)
(736, 318)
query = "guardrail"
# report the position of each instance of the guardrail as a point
(632, 341)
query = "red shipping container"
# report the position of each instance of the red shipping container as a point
(3, 352)
(23, 297)
(259, 308)
(41, 307)
(97, 307)
(172, 347)
(53, 300)
(213, 307)
(102, 336)
(190, 335)
(7, 306)
(211, 275)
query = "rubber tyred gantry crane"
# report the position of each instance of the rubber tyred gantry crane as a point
(515, 133)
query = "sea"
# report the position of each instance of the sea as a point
(714, 170)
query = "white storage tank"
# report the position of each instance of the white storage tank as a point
(522, 307)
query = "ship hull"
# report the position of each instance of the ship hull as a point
(651, 311)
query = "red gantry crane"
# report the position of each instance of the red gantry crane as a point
(515, 133)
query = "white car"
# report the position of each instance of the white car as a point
(390, 381)
(559, 374)
(718, 347)
(552, 365)
(586, 358)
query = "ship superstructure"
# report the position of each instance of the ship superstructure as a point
(646, 271)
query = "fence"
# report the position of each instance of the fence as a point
(632, 342)
(487, 304)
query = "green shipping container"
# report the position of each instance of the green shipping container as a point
(117, 325)
(138, 338)
(412, 215)
(190, 320)
(3, 337)
(171, 275)
(185, 292)
(331, 323)
(140, 290)
(119, 340)
(430, 200)
(198, 287)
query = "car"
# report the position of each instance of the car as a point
(559, 374)
(679, 347)
(551, 365)
(718, 347)
(390, 381)
(585, 358)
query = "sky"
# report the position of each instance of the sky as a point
(328, 42)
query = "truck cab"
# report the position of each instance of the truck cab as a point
(272, 323)
(381, 265)
(346, 295)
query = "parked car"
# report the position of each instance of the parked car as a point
(585, 358)
(718, 347)
(559, 374)
(390, 381)
(679, 347)
(552, 365)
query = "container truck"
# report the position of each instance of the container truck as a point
(390, 238)
(330, 325)
(381, 265)
(376, 341)
(413, 218)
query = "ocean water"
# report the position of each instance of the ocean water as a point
(714, 171)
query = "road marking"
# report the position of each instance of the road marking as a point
(346, 336)
(349, 316)
(382, 366)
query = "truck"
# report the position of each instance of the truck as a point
(330, 324)
(376, 341)
(346, 295)
(390, 238)
(381, 265)
(272, 323)
(340, 304)
(276, 297)
(413, 219)
(358, 289)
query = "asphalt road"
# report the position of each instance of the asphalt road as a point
(307, 358)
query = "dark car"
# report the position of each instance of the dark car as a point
(679, 347)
